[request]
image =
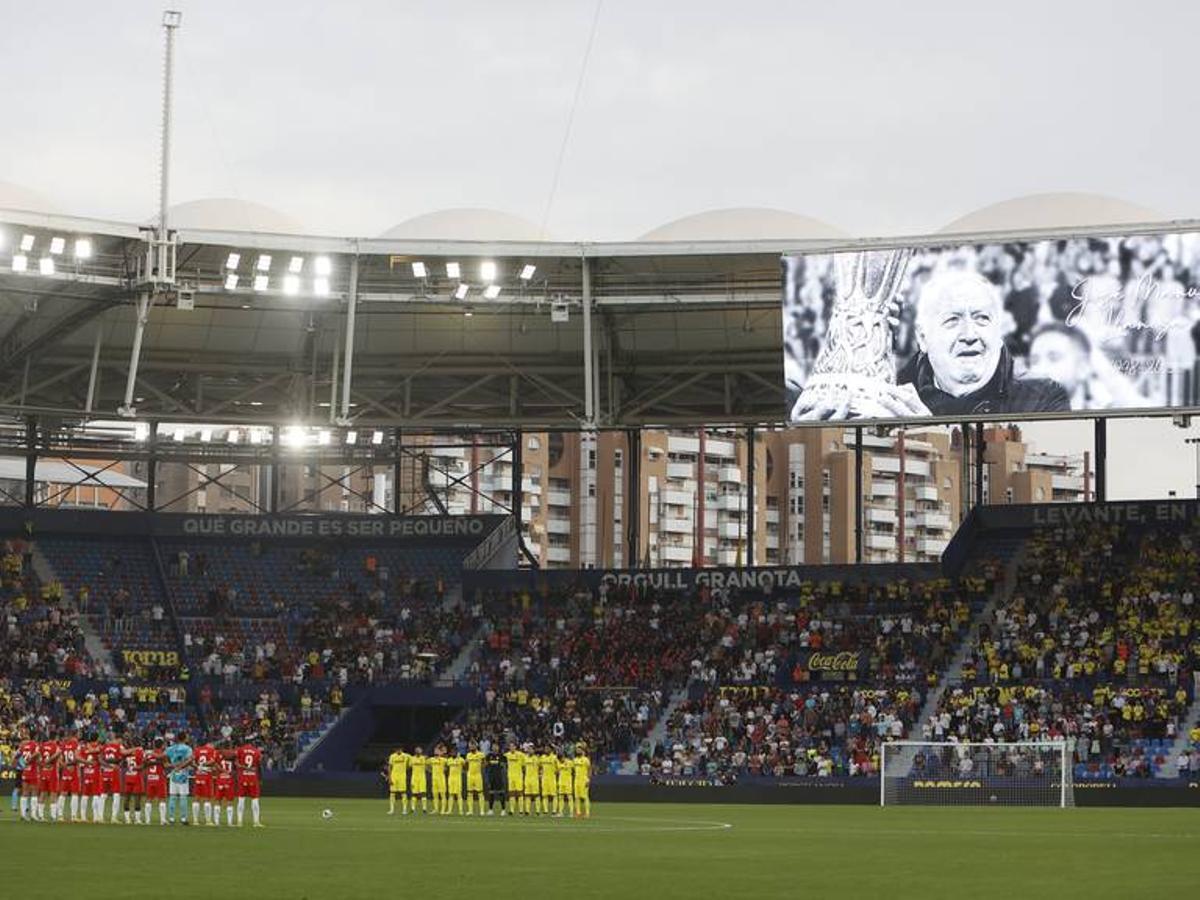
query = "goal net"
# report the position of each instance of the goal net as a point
(925, 773)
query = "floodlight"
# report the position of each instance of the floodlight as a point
(296, 265)
(260, 282)
(26, 242)
(20, 263)
(377, 438)
(460, 293)
(83, 248)
(351, 438)
(419, 270)
(323, 265)
(256, 436)
(264, 262)
(527, 272)
(487, 270)
(294, 436)
(468, 312)
(291, 285)
(141, 431)
(46, 265)
(180, 435)
(232, 436)
(323, 437)
(321, 287)
(231, 281)
(206, 435)
(232, 260)
(453, 270)
(57, 245)
(492, 291)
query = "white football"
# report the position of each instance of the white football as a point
(327, 814)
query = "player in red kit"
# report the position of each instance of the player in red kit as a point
(48, 754)
(247, 760)
(90, 783)
(133, 788)
(156, 783)
(226, 788)
(29, 751)
(68, 776)
(207, 759)
(111, 754)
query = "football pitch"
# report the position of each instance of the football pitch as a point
(624, 850)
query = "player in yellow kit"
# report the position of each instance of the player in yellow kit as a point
(437, 779)
(454, 783)
(396, 772)
(474, 777)
(583, 777)
(531, 796)
(418, 764)
(562, 804)
(548, 763)
(515, 760)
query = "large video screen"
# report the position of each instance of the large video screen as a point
(1046, 327)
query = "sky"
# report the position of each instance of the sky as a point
(878, 117)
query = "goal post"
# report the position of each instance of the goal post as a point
(947, 773)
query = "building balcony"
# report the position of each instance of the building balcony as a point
(931, 546)
(772, 517)
(675, 553)
(731, 530)
(558, 526)
(558, 498)
(880, 541)
(561, 555)
(681, 470)
(879, 514)
(681, 444)
(933, 521)
(686, 499)
(730, 475)
(675, 525)
(883, 488)
(732, 502)
(926, 492)
(719, 449)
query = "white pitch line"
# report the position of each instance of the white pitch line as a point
(901, 831)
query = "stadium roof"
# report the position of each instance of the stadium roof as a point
(1052, 210)
(742, 223)
(685, 327)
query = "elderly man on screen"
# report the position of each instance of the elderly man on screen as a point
(963, 367)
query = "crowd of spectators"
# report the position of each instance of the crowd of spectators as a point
(41, 632)
(811, 730)
(1097, 603)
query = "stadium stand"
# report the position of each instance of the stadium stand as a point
(1091, 635)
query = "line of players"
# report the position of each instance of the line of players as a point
(63, 775)
(518, 781)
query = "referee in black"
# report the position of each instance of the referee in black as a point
(494, 779)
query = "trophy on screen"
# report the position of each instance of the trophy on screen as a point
(856, 359)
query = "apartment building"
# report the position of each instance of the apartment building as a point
(689, 490)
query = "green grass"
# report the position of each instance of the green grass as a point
(624, 850)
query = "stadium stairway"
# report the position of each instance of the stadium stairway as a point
(92, 641)
(658, 733)
(1171, 769)
(953, 674)
(457, 670)
(309, 741)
